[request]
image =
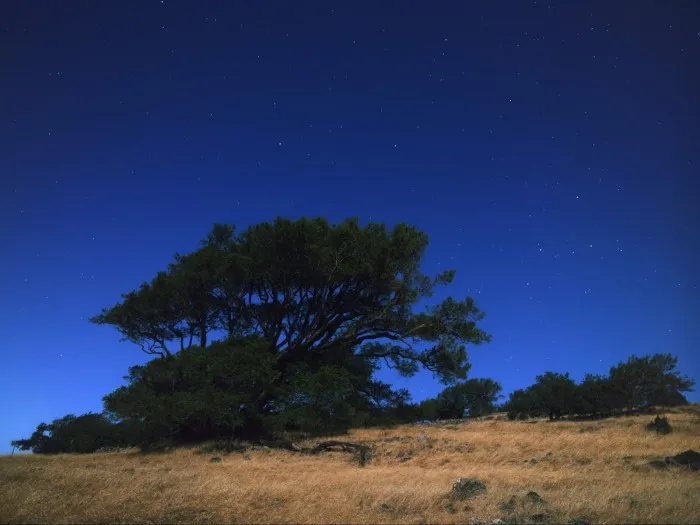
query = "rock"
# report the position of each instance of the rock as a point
(534, 497)
(549, 454)
(449, 507)
(533, 461)
(498, 521)
(215, 459)
(689, 458)
(464, 488)
(578, 521)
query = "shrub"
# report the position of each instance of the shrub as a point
(660, 425)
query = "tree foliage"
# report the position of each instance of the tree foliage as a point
(196, 394)
(308, 311)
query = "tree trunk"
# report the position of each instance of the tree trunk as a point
(203, 334)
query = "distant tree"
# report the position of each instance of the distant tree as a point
(638, 382)
(521, 404)
(325, 306)
(594, 396)
(554, 394)
(427, 410)
(473, 397)
(647, 381)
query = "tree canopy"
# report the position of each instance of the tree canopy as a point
(307, 312)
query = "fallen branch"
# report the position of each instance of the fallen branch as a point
(345, 446)
(363, 453)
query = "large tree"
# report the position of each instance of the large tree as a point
(328, 304)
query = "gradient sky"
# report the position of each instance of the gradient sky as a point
(549, 149)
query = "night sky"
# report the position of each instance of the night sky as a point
(551, 150)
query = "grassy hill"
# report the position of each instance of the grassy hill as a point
(593, 470)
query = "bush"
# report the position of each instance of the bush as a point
(660, 425)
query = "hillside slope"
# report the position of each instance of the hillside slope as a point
(593, 470)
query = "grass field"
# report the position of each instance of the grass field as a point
(596, 470)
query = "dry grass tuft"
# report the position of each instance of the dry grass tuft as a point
(596, 470)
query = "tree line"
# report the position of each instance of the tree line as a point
(280, 329)
(638, 383)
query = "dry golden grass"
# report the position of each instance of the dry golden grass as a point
(596, 470)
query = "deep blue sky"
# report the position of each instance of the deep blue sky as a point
(549, 149)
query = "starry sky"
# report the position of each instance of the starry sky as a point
(549, 149)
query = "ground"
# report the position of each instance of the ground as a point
(594, 470)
